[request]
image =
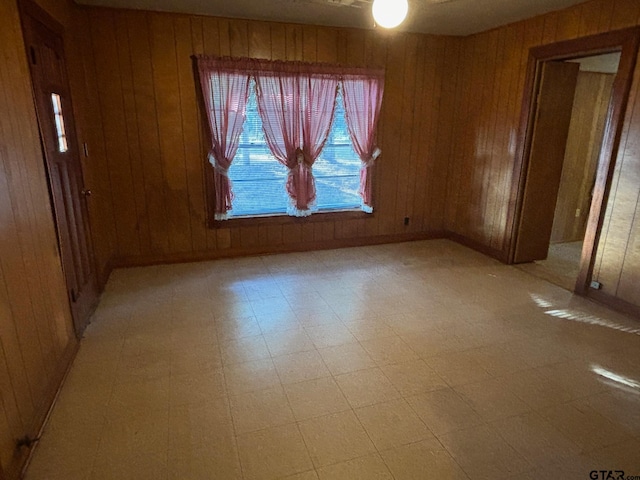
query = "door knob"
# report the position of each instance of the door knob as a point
(86, 193)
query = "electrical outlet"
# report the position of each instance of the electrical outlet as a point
(578, 211)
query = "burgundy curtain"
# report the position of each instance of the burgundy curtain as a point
(297, 111)
(225, 90)
(362, 102)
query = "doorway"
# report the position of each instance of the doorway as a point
(592, 92)
(549, 217)
(44, 47)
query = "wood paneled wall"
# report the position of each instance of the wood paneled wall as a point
(590, 106)
(147, 143)
(488, 104)
(36, 336)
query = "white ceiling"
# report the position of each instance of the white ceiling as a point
(447, 17)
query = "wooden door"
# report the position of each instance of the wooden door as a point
(44, 47)
(546, 156)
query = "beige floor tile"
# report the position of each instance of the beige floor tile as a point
(413, 377)
(394, 423)
(133, 467)
(197, 387)
(431, 344)
(335, 438)
(148, 366)
(290, 341)
(310, 475)
(69, 450)
(273, 453)
(271, 323)
(258, 410)
(623, 455)
(346, 358)
(369, 467)
(236, 328)
(538, 441)
(534, 395)
(143, 395)
(388, 350)
(458, 368)
(193, 425)
(251, 376)
(370, 328)
(584, 426)
(483, 454)
(330, 335)
(536, 389)
(195, 359)
(300, 367)
(244, 350)
(144, 432)
(421, 460)
(194, 335)
(204, 462)
(444, 411)
(315, 398)
(491, 400)
(366, 387)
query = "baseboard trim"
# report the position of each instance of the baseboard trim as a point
(480, 247)
(23, 456)
(615, 303)
(140, 261)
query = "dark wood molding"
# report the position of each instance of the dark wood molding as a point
(625, 41)
(283, 219)
(43, 411)
(478, 246)
(125, 262)
(614, 302)
(31, 8)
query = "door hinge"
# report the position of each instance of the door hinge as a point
(32, 54)
(74, 295)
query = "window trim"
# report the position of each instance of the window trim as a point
(254, 66)
(284, 219)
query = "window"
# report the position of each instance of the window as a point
(259, 179)
(289, 137)
(59, 120)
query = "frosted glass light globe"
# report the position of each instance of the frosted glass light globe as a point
(390, 13)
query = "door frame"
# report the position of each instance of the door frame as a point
(33, 10)
(625, 41)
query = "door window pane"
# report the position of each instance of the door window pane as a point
(59, 120)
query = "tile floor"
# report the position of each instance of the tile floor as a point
(422, 360)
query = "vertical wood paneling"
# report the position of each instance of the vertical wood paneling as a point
(617, 261)
(35, 321)
(590, 106)
(157, 111)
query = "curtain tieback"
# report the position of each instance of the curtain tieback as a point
(216, 165)
(374, 156)
(303, 159)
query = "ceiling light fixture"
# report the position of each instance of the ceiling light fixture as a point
(390, 13)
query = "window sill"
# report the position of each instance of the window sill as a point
(283, 219)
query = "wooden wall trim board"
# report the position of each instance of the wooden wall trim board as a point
(138, 261)
(614, 302)
(45, 409)
(478, 246)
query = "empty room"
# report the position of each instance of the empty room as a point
(319, 239)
